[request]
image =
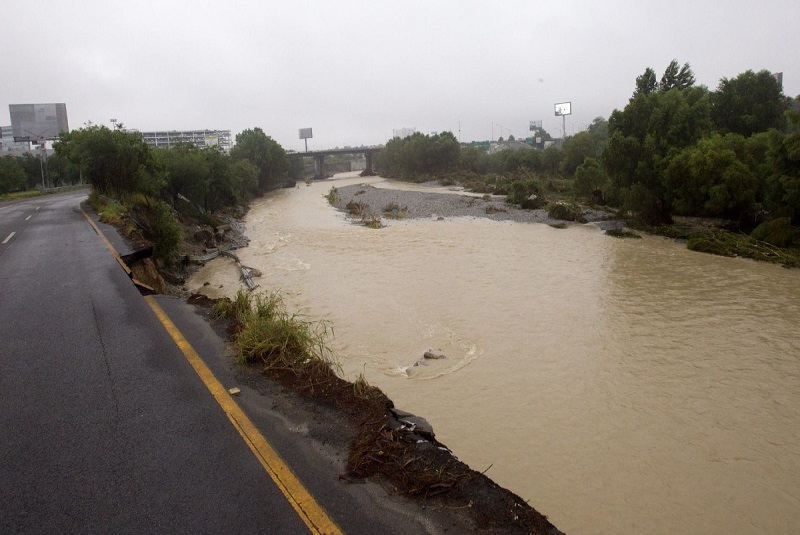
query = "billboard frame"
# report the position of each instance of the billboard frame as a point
(38, 122)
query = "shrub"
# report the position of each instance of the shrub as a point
(357, 208)
(333, 195)
(165, 231)
(567, 212)
(371, 219)
(778, 232)
(394, 211)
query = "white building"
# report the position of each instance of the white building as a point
(9, 147)
(165, 139)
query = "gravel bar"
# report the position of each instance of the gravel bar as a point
(437, 205)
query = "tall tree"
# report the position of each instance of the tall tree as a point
(265, 153)
(677, 76)
(643, 137)
(646, 83)
(114, 162)
(750, 103)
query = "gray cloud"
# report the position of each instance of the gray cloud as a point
(354, 70)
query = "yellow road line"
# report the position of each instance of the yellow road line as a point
(304, 504)
(108, 244)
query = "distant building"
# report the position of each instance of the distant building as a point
(9, 147)
(403, 132)
(498, 146)
(165, 139)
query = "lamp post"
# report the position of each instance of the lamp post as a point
(42, 141)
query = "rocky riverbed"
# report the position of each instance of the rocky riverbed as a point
(399, 204)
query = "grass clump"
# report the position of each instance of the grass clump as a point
(268, 335)
(393, 211)
(492, 209)
(109, 210)
(363, 390)
(333, 195)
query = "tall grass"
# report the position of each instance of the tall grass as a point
(269, 335)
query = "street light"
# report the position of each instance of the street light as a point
(42, 140)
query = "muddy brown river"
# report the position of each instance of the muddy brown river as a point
(621, 386)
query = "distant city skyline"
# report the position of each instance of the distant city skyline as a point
(355, 71)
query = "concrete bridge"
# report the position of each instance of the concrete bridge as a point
(319, 158)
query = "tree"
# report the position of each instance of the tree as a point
(12, 175)
(575, 150)
(187, 173)
(718, 177)
(265, 154)
(420, 154)
(750, 103)
(646, 83)
(114, 162)
(782, 196)
(589, 178)
(676, 77)
(644, 135)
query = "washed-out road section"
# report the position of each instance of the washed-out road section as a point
(105, 426)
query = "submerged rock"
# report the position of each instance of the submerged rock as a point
(431, 354)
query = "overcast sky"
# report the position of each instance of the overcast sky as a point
(355, 70)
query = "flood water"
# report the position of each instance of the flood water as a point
(620, 386)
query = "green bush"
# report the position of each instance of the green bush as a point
(567, 212)
(166, 232)
(778, 232)
(333, 195)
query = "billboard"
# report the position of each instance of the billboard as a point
(536, 125)
(31, 122)
(305, 133)
(563, 108)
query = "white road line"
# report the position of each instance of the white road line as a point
(28, 217)
(9, 237)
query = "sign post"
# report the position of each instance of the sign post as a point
(563, 109)
(305, 133)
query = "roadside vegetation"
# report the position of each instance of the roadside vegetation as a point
(269, 336)
(152, 194)
(677, 149)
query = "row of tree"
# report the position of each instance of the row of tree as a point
(29, 171)
(119, 163)
(676, 148)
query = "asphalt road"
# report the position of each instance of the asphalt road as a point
(104, 425)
